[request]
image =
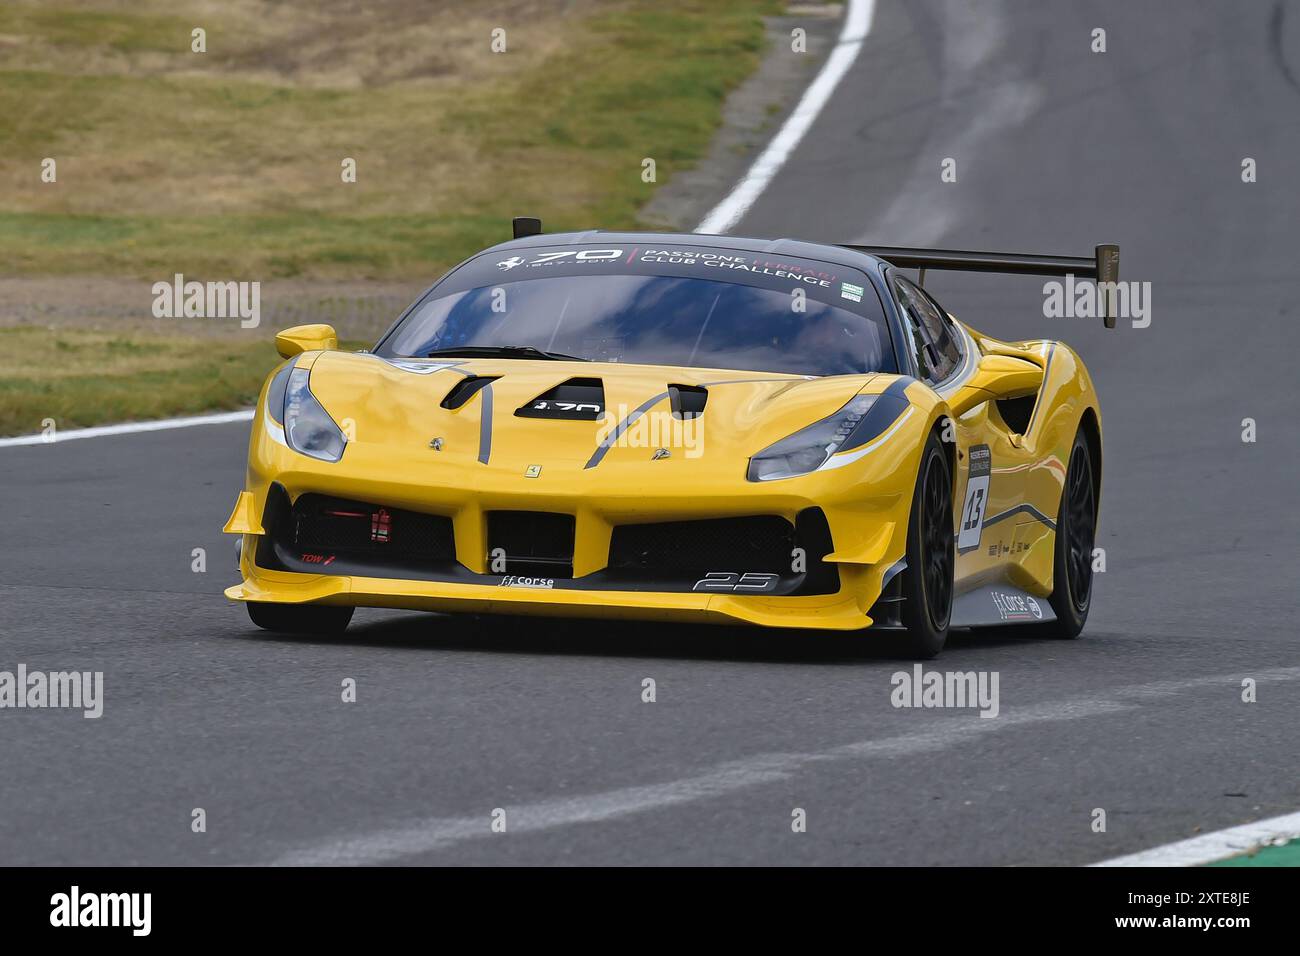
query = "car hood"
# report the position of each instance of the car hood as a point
(402, 402)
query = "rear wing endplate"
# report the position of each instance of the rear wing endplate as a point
(1103, 266)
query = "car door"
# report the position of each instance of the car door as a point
(992, 468)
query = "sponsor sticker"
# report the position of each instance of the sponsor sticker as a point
(564, 257)
(730, 581)
(1015, 607)
(851, 292)
(516, 581)
(977, 491)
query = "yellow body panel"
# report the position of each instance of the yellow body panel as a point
(244, 519)
(392, 413)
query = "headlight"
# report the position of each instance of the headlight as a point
(308, 428)
(809, 448)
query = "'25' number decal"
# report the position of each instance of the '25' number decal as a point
(730, 581)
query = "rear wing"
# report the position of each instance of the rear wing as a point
(1103, 266)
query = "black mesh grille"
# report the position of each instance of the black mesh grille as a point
(667, 549)
(322, 523)
(534, 542)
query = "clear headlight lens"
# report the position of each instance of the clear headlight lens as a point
(307, 426)
(809, 448)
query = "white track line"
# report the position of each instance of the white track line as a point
(1215, 846)
(437, 833)
(857, 25)
(129, 428)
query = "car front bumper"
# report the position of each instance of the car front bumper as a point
(865, 508)
(829, 612)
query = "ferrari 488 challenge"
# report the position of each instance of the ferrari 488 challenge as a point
(681, 428)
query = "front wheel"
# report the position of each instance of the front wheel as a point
(931, 557)
(319, 619)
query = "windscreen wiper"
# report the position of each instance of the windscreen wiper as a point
(503, 351)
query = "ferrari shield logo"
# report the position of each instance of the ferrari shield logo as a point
(532, 471)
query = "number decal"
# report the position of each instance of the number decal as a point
(730, 581)
(717, 581)
(585, 255)
(974, 509)
(977, 493)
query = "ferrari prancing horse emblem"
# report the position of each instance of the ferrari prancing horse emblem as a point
(532, 471)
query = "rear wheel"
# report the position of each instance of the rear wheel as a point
(931, 557)
(317, 619)
(1076, 529)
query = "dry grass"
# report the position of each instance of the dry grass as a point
(81, 377)
(261, 122)
(230, 160)
(226, 165)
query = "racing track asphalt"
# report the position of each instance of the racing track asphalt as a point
(1057, 148)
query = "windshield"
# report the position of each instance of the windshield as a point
(697, 308)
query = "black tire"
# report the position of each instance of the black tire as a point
(931, 557)
(1076, 531)
(319, 619)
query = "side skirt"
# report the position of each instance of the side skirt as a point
(997, 605)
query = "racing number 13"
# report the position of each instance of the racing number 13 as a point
(977, 493)
(974, 509)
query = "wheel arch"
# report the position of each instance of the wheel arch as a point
(1091, 428)
(938, 423)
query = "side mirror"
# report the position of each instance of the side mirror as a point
(306, 338)
(997, 377)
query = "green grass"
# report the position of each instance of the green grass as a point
(265, 247)
(81, 378)
(223, 165)
(84, 377)
(1288, 854)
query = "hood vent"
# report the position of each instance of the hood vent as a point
(466, 389)
(578, 399)
(687, 400)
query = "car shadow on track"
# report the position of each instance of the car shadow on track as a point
(418, 631)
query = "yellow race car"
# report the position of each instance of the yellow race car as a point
(680, 428)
